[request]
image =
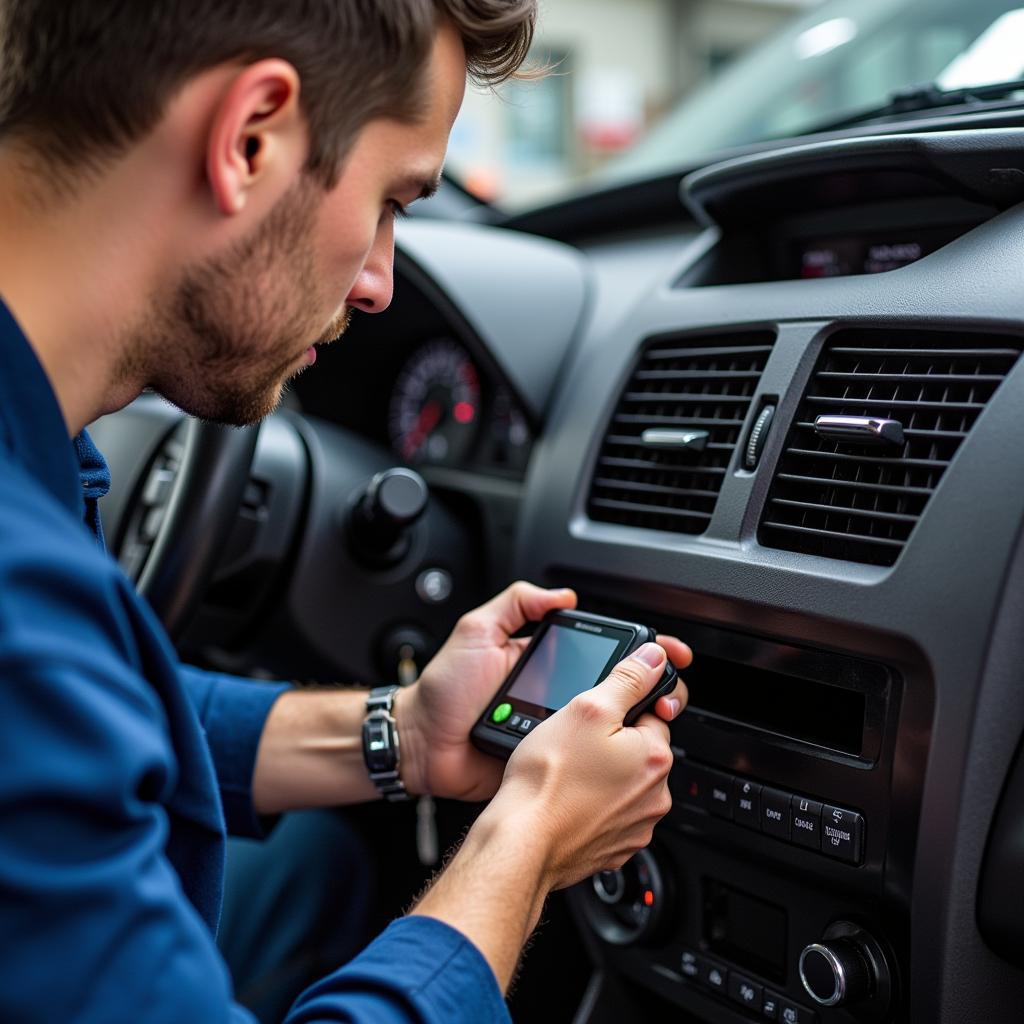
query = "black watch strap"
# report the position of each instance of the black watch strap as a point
(380, 743)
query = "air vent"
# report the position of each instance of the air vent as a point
(672, 436)
(859, 502)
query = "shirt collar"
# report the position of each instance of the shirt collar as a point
(31, 423)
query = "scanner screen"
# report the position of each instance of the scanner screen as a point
(564, 663)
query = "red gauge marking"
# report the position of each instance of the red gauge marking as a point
(463, 412)
(429, 417)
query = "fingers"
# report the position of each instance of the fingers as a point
(523, 602)
(654, 728)
(672, 704)
(631, 680)
(679, 652)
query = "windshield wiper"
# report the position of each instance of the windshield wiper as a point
(915, 98)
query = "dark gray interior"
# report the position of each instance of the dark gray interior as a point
(919, 660)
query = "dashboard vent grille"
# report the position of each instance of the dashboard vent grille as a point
(690, 384)
(860, 502)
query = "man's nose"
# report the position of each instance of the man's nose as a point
(375, 284)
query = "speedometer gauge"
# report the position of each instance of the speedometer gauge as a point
(435, 406)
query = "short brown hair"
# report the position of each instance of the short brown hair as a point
(80, 80)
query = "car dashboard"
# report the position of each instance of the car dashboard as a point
(787, 431)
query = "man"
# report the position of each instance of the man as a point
(191, 192)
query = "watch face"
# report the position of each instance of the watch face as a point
(380, 751)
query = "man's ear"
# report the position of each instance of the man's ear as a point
(258, 138)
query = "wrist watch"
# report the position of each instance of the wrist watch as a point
(380, 743)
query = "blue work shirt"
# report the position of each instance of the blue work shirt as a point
(121, 771)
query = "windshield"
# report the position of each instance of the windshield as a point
(537, 140)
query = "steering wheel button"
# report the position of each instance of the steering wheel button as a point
(513, 723)
(770, 1006)
(526, 725)
(158, 487)
(152, 523)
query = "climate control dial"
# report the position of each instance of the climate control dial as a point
(627, 905)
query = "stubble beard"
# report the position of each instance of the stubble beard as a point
(235, 327)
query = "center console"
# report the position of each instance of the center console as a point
(765, 896)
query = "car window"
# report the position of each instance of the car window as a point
(535, 140)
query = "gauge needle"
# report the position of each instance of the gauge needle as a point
(428, 418)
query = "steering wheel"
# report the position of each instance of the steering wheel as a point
(207, 489)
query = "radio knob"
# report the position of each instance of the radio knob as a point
(836, 973)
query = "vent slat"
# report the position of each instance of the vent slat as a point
(912, 378)
(682, 397)
(871, 460)
(634, 441)
(862, 485)
(642, 487)
(708, 375)
(928, 353)
(677, 421)
(660, 467)
(857, 502)
(716, 352)
(888, 542)
(896, 403)
(812, 506)
(632, 506)
(713, 377)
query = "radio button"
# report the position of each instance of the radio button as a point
(720, 799)
(842, 833)
(747, 803)
(690, 783)
(791, 1013)
(714, 975)
(770, 1006)
(745, 992)
(807, 822)
(689, 964)
(775, 813)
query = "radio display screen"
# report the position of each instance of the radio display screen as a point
(845, 255)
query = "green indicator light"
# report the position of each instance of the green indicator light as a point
(501, 712)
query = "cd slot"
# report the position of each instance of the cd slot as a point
(814, 698)
(802, 709)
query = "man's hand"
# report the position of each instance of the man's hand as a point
(581, 793)
(591, 789)
(435, 715)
